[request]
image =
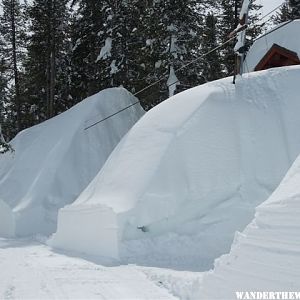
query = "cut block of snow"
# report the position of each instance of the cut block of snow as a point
(55, 160)
(6, 220)
(192, 170)
(283, 35)
(95, 228)
(266, 256)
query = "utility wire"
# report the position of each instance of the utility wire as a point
(276, 28)
(117, 112)
(269, 13)
(158, 81)
(188, 64)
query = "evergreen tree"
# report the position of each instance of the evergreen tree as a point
(283, 15)
(109, 46)
(212, 62)
(47, 66)
(12, 32)
(295, 9)
(3, 91)
(87, 26)
(121, 42)
(4, 146)
(170, 43)
(133, 44)
(290, 10)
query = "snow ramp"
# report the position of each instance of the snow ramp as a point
(55, 160)
(190, 173)
(266, 255)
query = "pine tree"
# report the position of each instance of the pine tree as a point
(12, 31)
(3, 91)
(295, 9)
(121, 42)
(283, 15)
(47, 66)
(170, 42)
(87, 25)
(212, 62)
(289, 11)
(4, 146)
(109, 46)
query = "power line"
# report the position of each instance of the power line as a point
(117, 112)
(276, 28)
(273, 10)
(158, 81)
(184, 66)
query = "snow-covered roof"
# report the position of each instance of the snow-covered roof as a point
(284, 35)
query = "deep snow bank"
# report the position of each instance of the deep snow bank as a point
(54, 161)
(190, 172)
(266, 256)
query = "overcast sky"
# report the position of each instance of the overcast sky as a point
(268, 5)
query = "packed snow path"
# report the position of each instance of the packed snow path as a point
(30, 270)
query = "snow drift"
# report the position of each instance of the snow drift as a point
(54, 161)
(190, 172)
(265, 257)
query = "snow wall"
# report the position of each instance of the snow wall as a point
(265, 256)
(55, 160)
(286, 36)
(190, 172)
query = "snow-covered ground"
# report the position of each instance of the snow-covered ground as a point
(30, 270)
(186, 177)
(189, 174)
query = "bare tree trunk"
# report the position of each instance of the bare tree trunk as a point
(15, 65)
(52, 59)
(52, 79)
(51, 69)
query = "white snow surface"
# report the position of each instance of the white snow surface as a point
(189, 174)
(30, 270)
(286, 36)
(54, 161)
(266, 255)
